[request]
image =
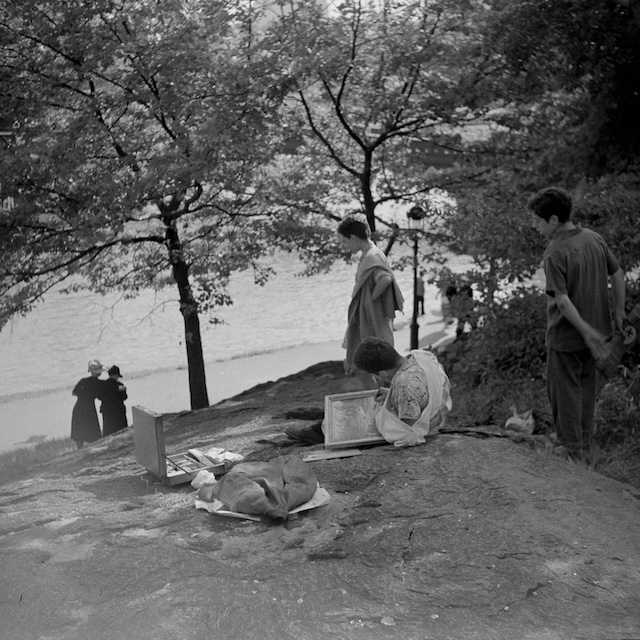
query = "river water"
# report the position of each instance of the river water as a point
(49, 348)
(277, 329)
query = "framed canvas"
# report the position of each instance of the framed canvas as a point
(350, 419)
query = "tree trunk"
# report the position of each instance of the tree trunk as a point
(189, 310)
(365, 188)
(193, 341)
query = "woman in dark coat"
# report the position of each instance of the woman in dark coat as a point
(84, 419)
(114, 414)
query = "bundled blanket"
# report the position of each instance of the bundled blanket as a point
(269, 488)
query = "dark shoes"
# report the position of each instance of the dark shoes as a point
(308, 434)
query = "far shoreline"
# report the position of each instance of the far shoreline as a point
(23, 419)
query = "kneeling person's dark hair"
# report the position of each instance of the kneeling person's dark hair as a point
(373, 355)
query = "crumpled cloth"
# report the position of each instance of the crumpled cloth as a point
(269, 488)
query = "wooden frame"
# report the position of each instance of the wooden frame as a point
(349, 419)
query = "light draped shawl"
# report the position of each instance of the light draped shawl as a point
(367, 317)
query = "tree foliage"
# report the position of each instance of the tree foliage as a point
(172, 143)
(374, 93)
(580, 60)
(559, 98)
(139, 129)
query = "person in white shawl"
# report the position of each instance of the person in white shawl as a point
(376, 296)
(417, 397)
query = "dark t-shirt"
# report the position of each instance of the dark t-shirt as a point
(578, 262)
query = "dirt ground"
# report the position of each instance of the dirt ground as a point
(464, 537)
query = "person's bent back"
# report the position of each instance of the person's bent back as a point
(415, 391)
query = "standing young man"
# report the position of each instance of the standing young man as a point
(578, 267)
(376, 295)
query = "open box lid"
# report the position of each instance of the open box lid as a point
(148, 436)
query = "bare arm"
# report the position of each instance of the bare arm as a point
(594, 339)
(382, 394)
(380, 398)
(619, 293)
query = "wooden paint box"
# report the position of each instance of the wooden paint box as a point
(148, 436)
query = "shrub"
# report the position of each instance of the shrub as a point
(509, 342)
(617, 418)
(501, 363)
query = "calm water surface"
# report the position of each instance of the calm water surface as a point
(49, 348)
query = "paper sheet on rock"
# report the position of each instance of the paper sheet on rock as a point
(319, 498)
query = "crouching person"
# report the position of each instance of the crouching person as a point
(415, 393)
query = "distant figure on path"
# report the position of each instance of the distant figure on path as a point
(578, 267)
(444, 288)
(376, 295)
(414, 392)
(461, 302)
(420, 292)
(84, 418)
(114, 413)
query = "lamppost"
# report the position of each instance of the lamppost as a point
(416, 216)
(6, 204)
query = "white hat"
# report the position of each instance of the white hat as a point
(95, 365)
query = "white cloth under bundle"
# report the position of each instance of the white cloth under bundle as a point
(271, 488)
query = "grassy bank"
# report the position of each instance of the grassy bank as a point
(17, 463)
